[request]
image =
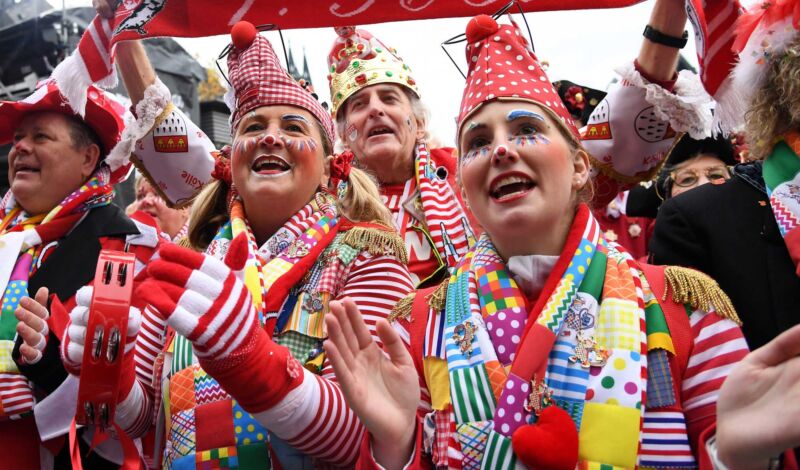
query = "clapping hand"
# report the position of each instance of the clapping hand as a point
(381, 388)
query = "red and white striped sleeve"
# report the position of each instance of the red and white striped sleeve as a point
(314, 417)
(718, 345)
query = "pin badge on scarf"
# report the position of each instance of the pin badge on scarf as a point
(297, 249)
(463, 335)
(588, 353)
(540, 397)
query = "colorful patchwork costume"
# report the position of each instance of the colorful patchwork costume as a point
(586, 360)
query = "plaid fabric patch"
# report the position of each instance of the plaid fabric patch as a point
(441, 441)
(660, 389)
(299, 345)
(618, 324)
(332, 277)
(473, 437)
(181, 440)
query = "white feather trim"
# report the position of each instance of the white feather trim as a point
(156, 99)
(748, 75)
(73, 81)
(731, 105)
(687, 107)
(230, 99)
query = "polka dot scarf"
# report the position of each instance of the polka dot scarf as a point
(584, 340)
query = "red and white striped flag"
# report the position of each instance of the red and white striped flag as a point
(92, 62)
(714, 23)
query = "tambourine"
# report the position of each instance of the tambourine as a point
(104, 345)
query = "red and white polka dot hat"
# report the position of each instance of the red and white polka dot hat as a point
(502, 67)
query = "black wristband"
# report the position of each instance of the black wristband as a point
(658, 37)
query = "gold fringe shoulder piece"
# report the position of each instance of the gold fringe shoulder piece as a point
(437, 299)
(698, 290)
(376, 241)
(402, 309)
(184, 242)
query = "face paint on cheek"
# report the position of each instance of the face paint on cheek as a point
(473, 154)
(409, 123)
(305, 144)
(243, 146)
(534, 139)
(351, 132)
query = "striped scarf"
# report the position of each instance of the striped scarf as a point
(22, 241)
(591, 312)
(446, 222)
(270, 276)
(782, 177)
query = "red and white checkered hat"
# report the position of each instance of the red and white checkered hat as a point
(502, 67)
(259, 79)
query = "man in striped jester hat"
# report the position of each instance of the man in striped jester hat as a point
(548, 347)
(55, 219)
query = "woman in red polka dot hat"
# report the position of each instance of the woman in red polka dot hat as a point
(550, 347)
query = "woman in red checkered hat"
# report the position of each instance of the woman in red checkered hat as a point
(549, 346)
(231, 351)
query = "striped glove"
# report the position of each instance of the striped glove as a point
(204, 300)
(75, 339)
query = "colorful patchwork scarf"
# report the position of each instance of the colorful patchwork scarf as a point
(22, 240)
(782, 177)
(270, 275)
(591, 312)
(447, 224)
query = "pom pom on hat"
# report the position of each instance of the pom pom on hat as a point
(243, 34)
(480, 27)
(502, 66)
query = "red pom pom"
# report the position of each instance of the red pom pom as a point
(550, 444)
(481, 26)
(243, 34)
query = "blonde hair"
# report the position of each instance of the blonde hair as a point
(209, 213)
(361, 203)
(775, 109)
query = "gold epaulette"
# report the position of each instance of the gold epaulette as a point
(437, 299)
(377, 242)
(699, 291)
(184, 242)
(402, 309)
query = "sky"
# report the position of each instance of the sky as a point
(581, 46)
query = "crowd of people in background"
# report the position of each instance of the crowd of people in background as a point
(340, 291)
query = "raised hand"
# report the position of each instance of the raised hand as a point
(759, 404)
(382, 389)
(203, 299)
(32, 327)
(105, 8)
(75, 339)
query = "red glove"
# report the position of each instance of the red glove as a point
(203, 299)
